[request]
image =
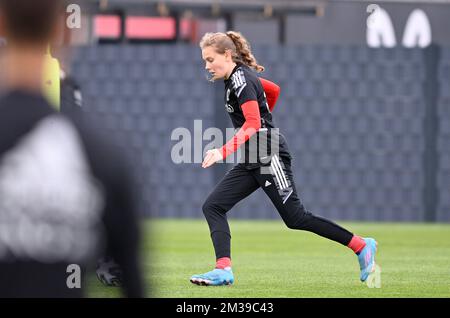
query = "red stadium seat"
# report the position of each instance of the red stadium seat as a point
(150, 28)
(107, 26)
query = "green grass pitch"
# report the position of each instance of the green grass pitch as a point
(270, 260)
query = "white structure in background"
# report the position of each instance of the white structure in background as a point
(380, 30)
(417, 30)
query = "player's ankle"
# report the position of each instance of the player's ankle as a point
(357, 244)
(223, 263)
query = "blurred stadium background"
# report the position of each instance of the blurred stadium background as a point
(366, 116)
(368, 126)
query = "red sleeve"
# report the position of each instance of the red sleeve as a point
(272, 92)
(250, 127)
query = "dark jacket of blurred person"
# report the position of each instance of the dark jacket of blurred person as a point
(65, 192)
(71, 95)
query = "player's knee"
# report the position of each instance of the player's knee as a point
(294, 224)
(297, 221)
(208, 207)
(211, 208)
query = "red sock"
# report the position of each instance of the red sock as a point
(223, 262)
(356, 244)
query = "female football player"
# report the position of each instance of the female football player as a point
(228, 56)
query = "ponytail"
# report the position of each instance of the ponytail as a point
(243, 51)
(236, 43)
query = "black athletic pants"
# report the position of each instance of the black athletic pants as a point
(276, 179)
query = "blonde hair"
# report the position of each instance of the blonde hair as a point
(236, 43)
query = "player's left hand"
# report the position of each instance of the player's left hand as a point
(212, 156)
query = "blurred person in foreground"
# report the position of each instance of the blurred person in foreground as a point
(63, 188)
